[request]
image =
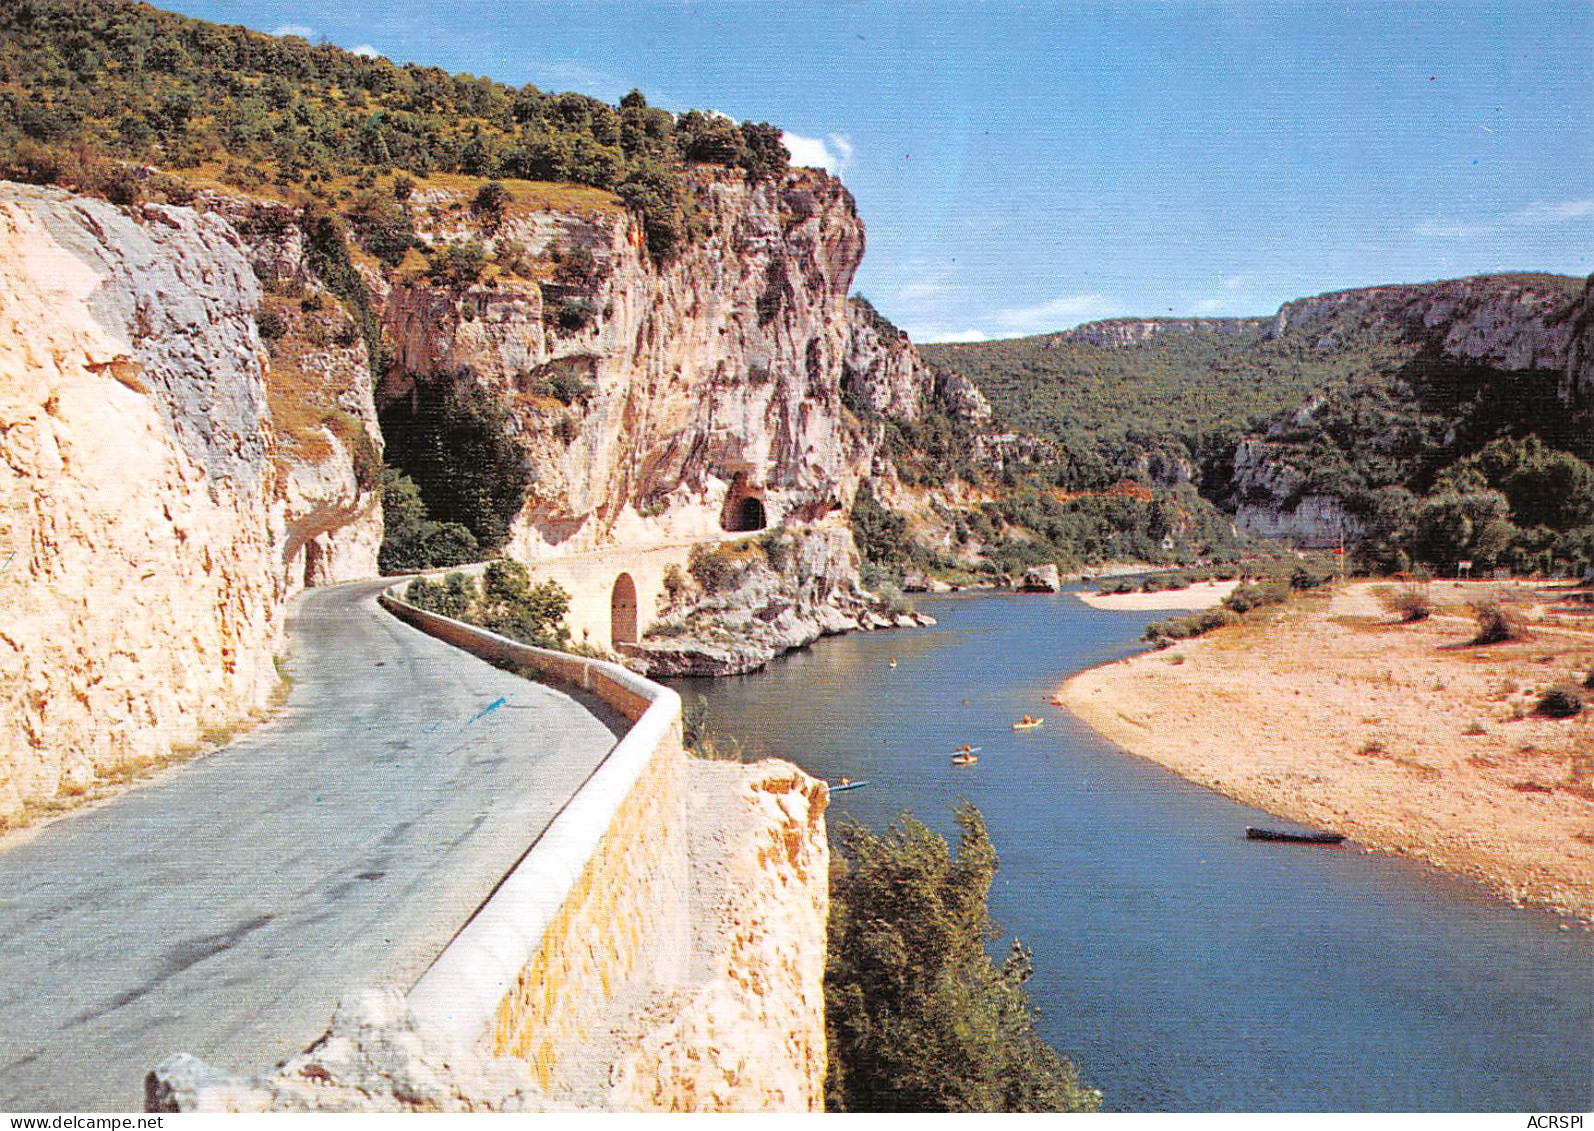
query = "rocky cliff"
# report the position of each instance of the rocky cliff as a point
(654, 401)
(152, 517)
(1512, 322)
(1483, 354)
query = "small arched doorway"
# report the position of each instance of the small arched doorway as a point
(622, 611)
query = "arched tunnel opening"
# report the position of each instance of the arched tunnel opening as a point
(623, 611)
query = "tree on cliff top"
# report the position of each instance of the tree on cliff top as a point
(918, 1017)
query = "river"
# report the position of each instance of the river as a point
(1181, 966)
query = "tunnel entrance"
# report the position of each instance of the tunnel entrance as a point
(744, 508)
(623, 612)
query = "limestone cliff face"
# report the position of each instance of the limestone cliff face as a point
(881, 370)
(1577, 380)
(685, 388)
(1116, 333)
(153, 517)
(1532, 328)
(1504, 321)
(141, 597)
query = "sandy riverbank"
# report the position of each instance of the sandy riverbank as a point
(1398, 735)
(1201, 595)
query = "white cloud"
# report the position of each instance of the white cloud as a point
(365, 50)
(923, 334)
(924, 289)
(1555, 212)
(301, 30)
(833, 152)
(1440, 230)
(1053, 315)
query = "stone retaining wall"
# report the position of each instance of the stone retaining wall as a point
(596, 902)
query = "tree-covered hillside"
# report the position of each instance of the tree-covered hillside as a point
(1358, 398)
(82, 80)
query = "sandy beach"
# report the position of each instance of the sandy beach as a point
(1401, 736)
(1201, 595)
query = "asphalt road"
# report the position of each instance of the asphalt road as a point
(224, 909)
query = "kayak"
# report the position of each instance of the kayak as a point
(1028, 724)
(846, 785)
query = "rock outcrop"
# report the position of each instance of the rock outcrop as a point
(152, 518)
(1511, 322)
(741, 605)
(655, 399)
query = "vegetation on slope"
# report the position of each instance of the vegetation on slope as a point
(1180, 393)
(506, 602)
(1359, 407)
(83, 78)
(917, 1016)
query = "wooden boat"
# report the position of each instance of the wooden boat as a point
(961, 759)
(845, 784)
(1027, 723)
(1254, 833)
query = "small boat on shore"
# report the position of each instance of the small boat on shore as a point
(1028, 723)
(1254, 833)
(847, 783)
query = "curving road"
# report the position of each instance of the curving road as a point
(224, 909)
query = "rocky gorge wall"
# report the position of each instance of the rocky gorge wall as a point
(152, 519)
(686, 387)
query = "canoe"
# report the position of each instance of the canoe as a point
(844, 786)
(1031, 725)
(965, 759)
(1254, 833)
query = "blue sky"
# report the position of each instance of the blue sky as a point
(1025, 167)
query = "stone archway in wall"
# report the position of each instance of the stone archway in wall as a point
(623, 611)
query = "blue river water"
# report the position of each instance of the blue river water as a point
(1182, 967)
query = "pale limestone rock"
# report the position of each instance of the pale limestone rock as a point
(751, 1035)
(1041, 579)
(149, 531)
(141, 602)
(373, 1058)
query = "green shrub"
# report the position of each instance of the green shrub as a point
(718, 569)
(1559, 703)
(1497, 624)
(272, 326)
(1246, 596)
(457, 263)
(1409, 603)
(1164, 632)
(917, 1016)
(512, 606)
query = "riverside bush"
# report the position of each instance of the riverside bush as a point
(917, 1016)
(1247, 596)
(1164, 632)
